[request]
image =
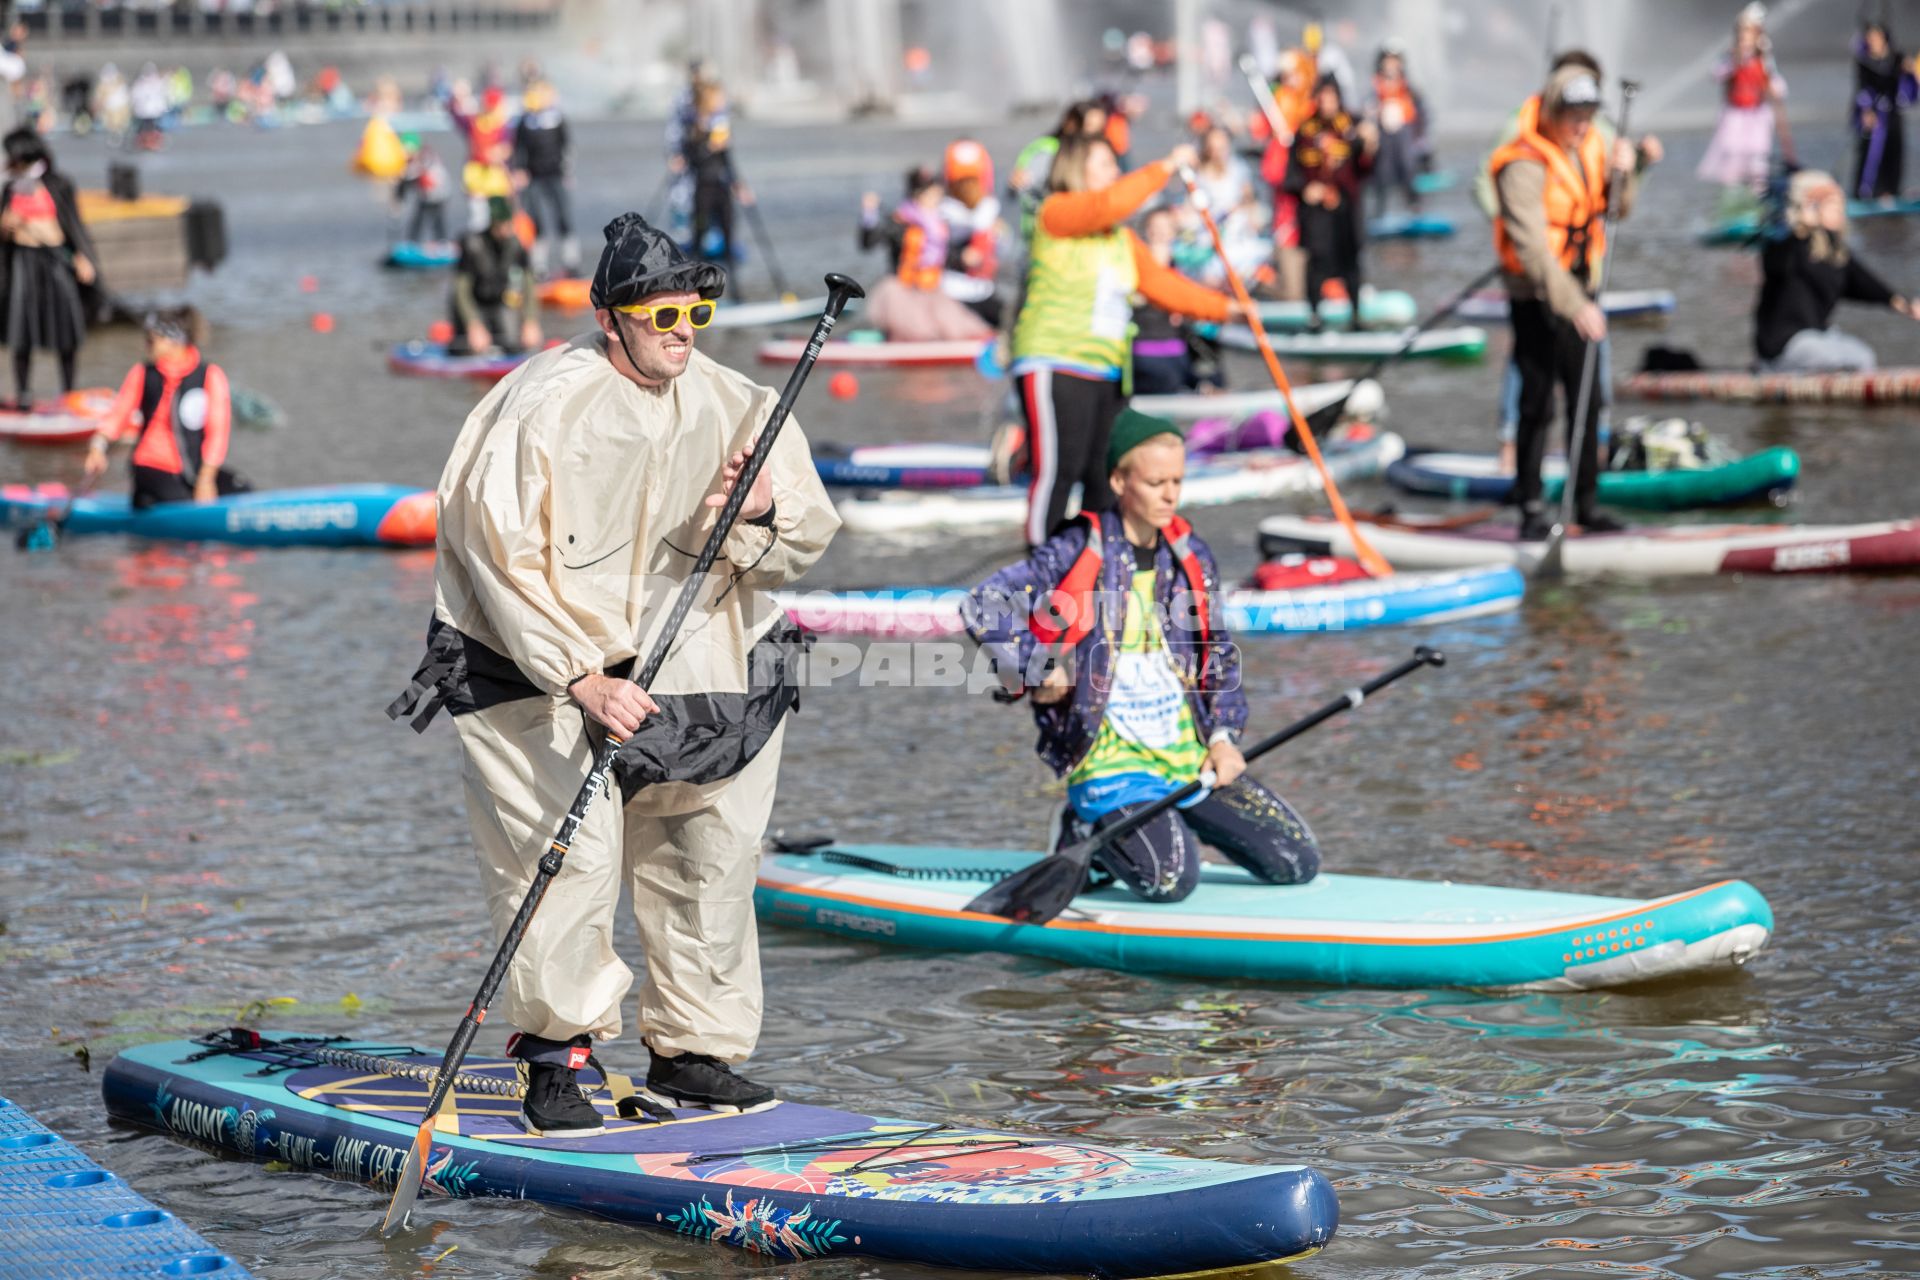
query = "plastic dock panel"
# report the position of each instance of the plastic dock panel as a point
(63, 1217)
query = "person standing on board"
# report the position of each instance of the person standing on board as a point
(1554, 182)
(1112, 630)
(46, 263)
(577, 496)
(1071, 339)
(542, 157)
(1883, 89)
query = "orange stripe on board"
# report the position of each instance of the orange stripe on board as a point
(1089, 926)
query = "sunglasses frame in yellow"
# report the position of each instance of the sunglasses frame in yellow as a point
(653, 319)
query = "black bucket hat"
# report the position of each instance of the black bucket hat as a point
(640, 260)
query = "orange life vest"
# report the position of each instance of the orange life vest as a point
(1576, 198)
(1067, 615)
(1397, 91)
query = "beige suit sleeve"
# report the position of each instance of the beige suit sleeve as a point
(507, 553)
(1522, 187)
(804, 520)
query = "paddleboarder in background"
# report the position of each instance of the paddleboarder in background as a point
(1806, 274)
(178, 407)
(1401, 117)
(1112, 630)
(578, 493)
(494, 301)
(1553, 183)
(1332, 157)
(46, 263)
(1883, 88)
(1741, 153)
(1070, 340)
(542, 158)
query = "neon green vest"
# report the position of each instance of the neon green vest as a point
(1078, 308)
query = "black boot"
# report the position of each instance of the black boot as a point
(1600, 522)
(696, 1080)
(1534, 526)
(555, 1106)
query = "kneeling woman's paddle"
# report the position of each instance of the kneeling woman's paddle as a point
(1042, 891)
(406, 1187)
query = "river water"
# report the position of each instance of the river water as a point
(202, 810)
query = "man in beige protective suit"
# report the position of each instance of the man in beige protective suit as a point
(577, 498)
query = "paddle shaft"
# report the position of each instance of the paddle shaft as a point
(1263, 94)
(1331, 414)
(1550, 563)
(1422, 657)
(1371, 560)
(840, 290)
(766, 244)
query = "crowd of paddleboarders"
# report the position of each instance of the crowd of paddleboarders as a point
(571, 516)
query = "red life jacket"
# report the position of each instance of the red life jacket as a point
(1750, 84)
(1066, 616)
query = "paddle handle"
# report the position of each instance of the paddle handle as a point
(1371, 560)
(1423, 656)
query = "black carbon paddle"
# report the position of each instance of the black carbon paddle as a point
(406, 1187)
(1042, 891)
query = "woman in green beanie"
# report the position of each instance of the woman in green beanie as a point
(1110, 630)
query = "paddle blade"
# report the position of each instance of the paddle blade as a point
(406, 1186)
(1036, 894)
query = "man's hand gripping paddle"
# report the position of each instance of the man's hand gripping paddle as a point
(1045, 889)
(406, 1187)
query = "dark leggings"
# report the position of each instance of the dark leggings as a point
(1549, 353)
(548, 203)
(1331, 238)
(1254, 827)
(427, 212)
(713, 208)
(23, 373)
(152, 486)
(1068, 422)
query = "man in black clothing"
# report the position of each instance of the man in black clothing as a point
(493, 300)
(541, 157)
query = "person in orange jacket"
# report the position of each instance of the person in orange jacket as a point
(177, 405)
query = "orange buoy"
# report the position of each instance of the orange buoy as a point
(322, 322)
(309, 284)
(843, 386)
(440, 331)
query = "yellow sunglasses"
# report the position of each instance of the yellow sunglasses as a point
(666, 317)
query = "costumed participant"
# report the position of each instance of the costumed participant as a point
(707, 152)
(494, 302)
(568, 515)
(1401, 118)
(1555, 183)
(1169, 358)
(177, 407)
(679, 124)
(1740, 156)
(488, 130)
(1293, 99)
(542, 158)
(1112, 630)
(48, 260)
(1808, 272)
(1332, 156)
(909, 305)
(972, 214)
(1883, 88)
(1028, 181)
(425, 179)
(1071, 338)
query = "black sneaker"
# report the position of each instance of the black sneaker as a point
(1534, 527)
(696, 1080)
(555, 1107)
(1600, 522)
